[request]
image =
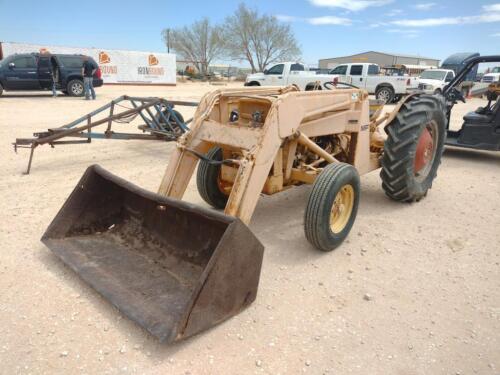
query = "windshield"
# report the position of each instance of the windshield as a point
(496, 70)
(433, 74)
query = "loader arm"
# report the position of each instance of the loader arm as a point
(270, 121)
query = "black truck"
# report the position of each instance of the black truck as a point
(32, 72)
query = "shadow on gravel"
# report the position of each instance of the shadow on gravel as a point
(32, 96)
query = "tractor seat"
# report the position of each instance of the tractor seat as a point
(479, 116)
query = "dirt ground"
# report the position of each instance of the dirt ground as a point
(431, 270)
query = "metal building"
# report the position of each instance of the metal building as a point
(380, 58)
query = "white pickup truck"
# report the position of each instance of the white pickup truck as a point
(493, 76)
(288, 73)
(433, 81)
(367, 76)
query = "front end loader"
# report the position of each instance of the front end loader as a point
(178, 269)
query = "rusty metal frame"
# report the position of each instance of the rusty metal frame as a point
(160, 123)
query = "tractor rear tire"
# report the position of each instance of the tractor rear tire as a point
(413, 149)
(208, 178)
(332, 206)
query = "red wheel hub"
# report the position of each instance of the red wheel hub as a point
(424, 150)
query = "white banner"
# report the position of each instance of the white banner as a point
(117, 66)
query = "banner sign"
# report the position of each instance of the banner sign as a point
(117, 66)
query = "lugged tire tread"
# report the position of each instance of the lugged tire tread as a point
(399, 150)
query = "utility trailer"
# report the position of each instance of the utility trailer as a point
(161, 122)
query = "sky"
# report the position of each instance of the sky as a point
(323, 28)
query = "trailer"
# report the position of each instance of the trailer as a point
(161, 122)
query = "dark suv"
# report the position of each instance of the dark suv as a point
(31, 72)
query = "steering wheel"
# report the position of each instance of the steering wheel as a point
(332, 85)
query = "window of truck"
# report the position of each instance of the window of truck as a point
(356, 70)
(297, 68)
(433, 74)
(71, 61)
(340, 70)
(24, 62)
(373, 70)
(277, 69)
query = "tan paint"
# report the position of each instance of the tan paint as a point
(281, 150)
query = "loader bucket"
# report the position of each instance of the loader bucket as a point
(174, 268)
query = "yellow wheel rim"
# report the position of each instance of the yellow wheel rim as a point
(342, 208)
(224, 186)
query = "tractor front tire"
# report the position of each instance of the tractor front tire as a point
(332, 206)
(413, 148)
(208, 180)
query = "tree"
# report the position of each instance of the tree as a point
(199, 43)
(259, 39)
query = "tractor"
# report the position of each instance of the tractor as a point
(178, 269)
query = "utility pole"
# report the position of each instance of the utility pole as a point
(168, 40)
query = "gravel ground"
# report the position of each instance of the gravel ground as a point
(414, 290)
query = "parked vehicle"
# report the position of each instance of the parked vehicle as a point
(289, 73)
(433, 81)
(493, 76)
(32, 72)
(481, 128)
(319, 70)
(457, 62)
(367, 76)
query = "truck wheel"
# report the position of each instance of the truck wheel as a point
(413, 149)
(253, 83)
(1, 90)
(208, 181)
(332, 206)
(385, 93)
(75, 87)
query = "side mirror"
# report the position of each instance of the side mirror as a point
(266, 71)
(12, 65)
(448, 79)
